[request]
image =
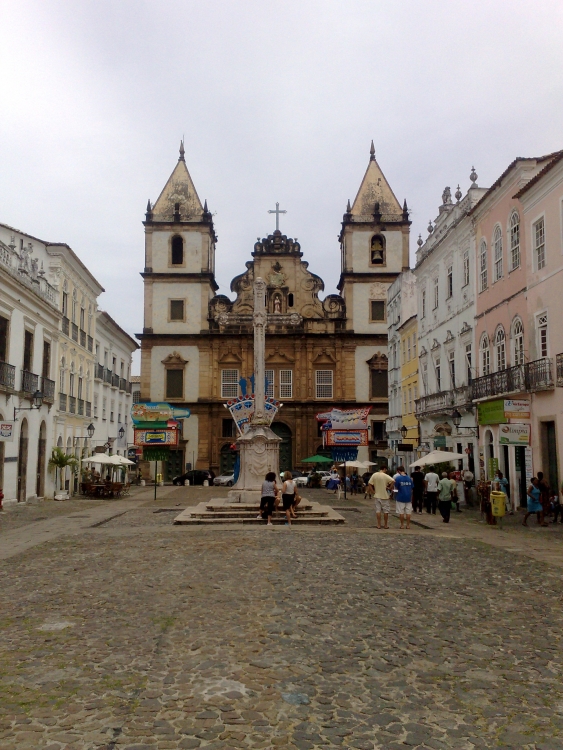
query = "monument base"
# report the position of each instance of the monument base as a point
(259, 454)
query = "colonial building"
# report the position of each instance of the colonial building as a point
(320, 353)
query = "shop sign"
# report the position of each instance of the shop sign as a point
(514, 434)
(491, 412)
(156, 437)
(7, 430)
(155, 454)
(493, 467)
(346, 437)
(517, 408)
(529, 466)
(405, 447)
(156, 412)
(440, 441)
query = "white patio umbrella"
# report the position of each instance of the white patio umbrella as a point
(367, 464)
(98, 458)
(120, 461)
(437, 457)
(353, 464)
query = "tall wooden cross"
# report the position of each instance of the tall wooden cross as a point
(277, 212)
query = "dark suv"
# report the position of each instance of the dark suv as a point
(196, 476)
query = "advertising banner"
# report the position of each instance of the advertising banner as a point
(7, 430)
(242, 409)
(345, 419)
(514, 434)
(346, 437)
(491, 412)
(155, 454)
(156, 412)
(517, 408)
(168, 437)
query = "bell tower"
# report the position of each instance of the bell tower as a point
(179, 273)
(374, 245)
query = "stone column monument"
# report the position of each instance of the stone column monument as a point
(259, 446)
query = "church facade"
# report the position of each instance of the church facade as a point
(321, 353)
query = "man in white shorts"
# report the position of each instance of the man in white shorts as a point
(381, 482)
(404, 488)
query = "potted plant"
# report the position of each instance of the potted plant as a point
(58, 462)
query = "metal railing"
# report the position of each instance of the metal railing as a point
(444, 401)
(88, 408)
(99, 372)
(90, 344)
(129, 388)
(115, 381)
(48, 390)
(80, 411)
(72, 404)
(75, 332)
(122, 384)
(559, 370)
(529, 377)
(107, 375)
(62, 401)
(65, 325)
(83, 338)
(7, 375)
(30, 382)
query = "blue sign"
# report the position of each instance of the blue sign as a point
(344, 454)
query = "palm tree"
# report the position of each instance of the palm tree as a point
(59, 461)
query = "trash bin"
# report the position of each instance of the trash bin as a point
(498, 503)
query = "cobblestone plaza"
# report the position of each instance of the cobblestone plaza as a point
(121, 630)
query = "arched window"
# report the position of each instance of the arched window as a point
(485, 355)
(500, 349)
(377, 250)
(483, 276)
(514, 237)
(177, 251)
(518, 342)
(497, 247)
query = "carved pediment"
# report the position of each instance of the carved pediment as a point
(324, 358)
(449, 337)
(422, 352)
(279, 358)
(435, 344)
(174, 359)
(230, 358)
(378, 361)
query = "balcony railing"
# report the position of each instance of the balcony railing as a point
(444, 401)
(90, 344)
(129, 388)
(72, 404)
(122, 384)
(30, 382)
(48, 390)
(83, 338)
(62, 401)
(75, 331)
(526, 378)
(66, 325)
(99, 372)
(115, 381)
(88, 408)
(80, 411)
(393, 424)
(559, 369)
(7, 375)
(107, 375)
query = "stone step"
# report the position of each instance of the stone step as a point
(252, 514)
(203, 520)
(220, 512)
(219, 505)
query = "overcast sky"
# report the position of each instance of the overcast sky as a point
(277, 101)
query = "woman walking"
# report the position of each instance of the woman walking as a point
(269, 492)
(534, 505)
(288, 497)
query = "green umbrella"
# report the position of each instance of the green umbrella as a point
(316, 460)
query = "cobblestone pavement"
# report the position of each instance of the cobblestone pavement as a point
(140, 635)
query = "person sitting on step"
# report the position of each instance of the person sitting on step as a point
(269, 495)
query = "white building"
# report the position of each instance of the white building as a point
(112, 385)
(445, 275)
(29, 334)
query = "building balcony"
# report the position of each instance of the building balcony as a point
(83, 338)
(88, 405)
(72, 404)
(75, 332)
(30, 383)
(526, 378)
(80, 410)
(107, 375)
(443, 402)
(115, 381)
(90, 344)
(62, 401)
(559, 370)
(122, 384)
(99, 372)
(48, 390)
(393, 424)
(7, 376)
(65, 325)
(129, 388)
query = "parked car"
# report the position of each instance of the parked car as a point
(325, 476)
(224, 480)
(196, 476)
(302, 481)
(294, 473)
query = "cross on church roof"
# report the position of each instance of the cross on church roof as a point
(277, 212)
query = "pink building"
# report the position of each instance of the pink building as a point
(509, 365)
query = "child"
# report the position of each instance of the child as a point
(268, 501)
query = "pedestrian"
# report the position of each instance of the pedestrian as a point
(468, 479)
(418, 489)
(504, 487)
(404, 486)
(533, 502)
(268, 500)
(445, 489)
(381, 482)
(431, 480)
(557, 507)
(354, 482)
(543, 487)
(288, 497)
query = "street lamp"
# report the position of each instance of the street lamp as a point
(90, 430)
(456, 419)
(37, 404)
(121, 432)
(404, 430)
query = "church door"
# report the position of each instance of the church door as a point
(174, 467)
(286, 458)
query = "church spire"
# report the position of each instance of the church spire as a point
(182, 152)
(179, 200)
(372, 152)
(375, 194)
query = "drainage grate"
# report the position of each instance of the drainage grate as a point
(352, 510)
(169, 510)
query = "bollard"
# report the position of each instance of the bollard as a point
(186, 482)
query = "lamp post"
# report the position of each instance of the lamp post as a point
(456, 419)
(37, 404)
(404, 430)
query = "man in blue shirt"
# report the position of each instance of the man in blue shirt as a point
(403, 488)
